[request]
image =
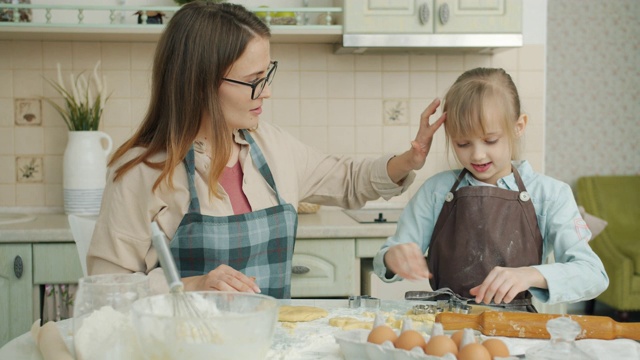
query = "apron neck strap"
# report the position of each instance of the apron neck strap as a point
(260, 162)
(516, 176)
(190, 164)
(256, 155)
(519, 181)
(460, 177)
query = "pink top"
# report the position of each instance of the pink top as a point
(231, 181)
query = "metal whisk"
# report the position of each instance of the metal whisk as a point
(197, 327)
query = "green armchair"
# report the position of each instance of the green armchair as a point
(616, 199)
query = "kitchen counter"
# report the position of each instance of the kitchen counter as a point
(326, 223)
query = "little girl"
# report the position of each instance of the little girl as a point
(489, 226)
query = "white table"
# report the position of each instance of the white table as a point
(315, 340)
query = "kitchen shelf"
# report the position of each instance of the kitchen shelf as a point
(46, 25)
(151, 33)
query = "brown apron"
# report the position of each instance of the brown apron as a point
(479, 228)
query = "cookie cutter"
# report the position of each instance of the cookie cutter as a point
(358, 301)
(441, 300)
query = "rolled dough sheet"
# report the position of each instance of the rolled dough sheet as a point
(290, 313)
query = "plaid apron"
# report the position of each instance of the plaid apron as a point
(259, 243)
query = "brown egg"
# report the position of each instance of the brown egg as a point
(474, 351)
(496, 347)
(409, 339)
(439, 345)
(381, 334)
(457, 337)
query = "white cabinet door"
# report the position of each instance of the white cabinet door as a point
(478, 16)
(16, 291)
(388, 16)
(325, 268)
(432, 16)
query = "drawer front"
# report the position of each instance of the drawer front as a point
(368, 247)
(56, 264)
(325, 268)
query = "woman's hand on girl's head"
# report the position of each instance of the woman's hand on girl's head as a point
(503, 284)
(422, 144)
(414, 158)
(222, 278)
(407, 261)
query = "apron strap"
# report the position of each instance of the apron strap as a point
(261, 163)
(460, 177)
(518, 179)
(516, 176)
(190, 164)
(258, 159)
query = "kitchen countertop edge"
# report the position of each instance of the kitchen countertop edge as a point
(327, 223)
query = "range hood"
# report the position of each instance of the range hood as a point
(426, 43)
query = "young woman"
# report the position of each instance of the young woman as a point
(222, 185)
(489, 226)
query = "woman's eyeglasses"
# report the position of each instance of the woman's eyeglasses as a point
(258, 86)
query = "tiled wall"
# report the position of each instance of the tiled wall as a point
(593, 83)
(337, 103)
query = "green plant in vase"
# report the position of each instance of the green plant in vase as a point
(82, 110)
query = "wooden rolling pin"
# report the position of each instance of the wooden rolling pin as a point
(531, 325)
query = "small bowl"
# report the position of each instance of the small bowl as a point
(235, 325)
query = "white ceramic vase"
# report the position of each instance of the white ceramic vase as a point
(85, 171)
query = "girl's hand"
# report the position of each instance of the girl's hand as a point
(407, 261)
(503, 284)
(222, 278)
(422, 143)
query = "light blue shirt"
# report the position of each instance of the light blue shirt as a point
(577, 273)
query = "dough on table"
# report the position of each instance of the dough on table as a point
(349, 323)
(289, 313)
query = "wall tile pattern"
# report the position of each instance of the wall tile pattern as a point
(593, 88)
(333, 102)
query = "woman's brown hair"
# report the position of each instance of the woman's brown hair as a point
(468, 99)
(199, 45)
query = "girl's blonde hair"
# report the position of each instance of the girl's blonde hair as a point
(198, 47)
(469, 98)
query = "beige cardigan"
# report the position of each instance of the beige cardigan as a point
(121, 241)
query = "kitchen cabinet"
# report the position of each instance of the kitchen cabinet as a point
(432, 16)
(16, 290)
(325, 268)
(42, 263)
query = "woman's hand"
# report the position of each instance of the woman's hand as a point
(222, 278)
(414, 158)
(407, 261)
(422, 144)
(503, 284)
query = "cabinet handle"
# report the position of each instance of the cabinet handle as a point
(443, 13)
(424, 14)
(299, 269)
(18, 266)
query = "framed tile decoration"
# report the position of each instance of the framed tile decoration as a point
(29, 169)
(395, 111)
(28, 112)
